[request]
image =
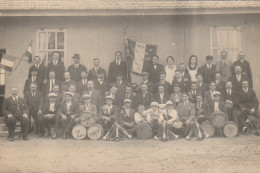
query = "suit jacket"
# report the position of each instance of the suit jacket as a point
(34, 103)
(102, 88)
(203, 88)
(92, 109)
(124, 118)
(233, 97)
(167, 87)
(122, 97)
(176, 98)
(158, 99)
(95, 97)
(208, 98)
(120, 87)
(204, 109)
(208, 74)
(76, 72)
(220, 86)
(237, 85)
(46, 87)
(150, 86)
(184, 84)
(186, 111)
(221, 107)
(92, 75)
(41, 71)
(59, 70)
(154, 74)
(16, 108)
(146, 101)
(249, 99)
(73, 110)
(81, 87)
(192, 96)
(225, 70)
(115, 69)
(28, 83)
(246, 70)
(46, 109)
(103, 111)
(64, 86)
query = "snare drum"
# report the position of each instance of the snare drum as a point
(218, 119)
(230, 130)
(177, 124)
(87, 119)
(79, 132)
(95, 132)
(144, 131)
(208, 128)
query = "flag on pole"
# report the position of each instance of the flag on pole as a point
(7, 61)
(138, 55)
(28, 53)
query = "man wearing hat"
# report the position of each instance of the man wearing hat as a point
(208, 70)
(68, 111)
(49, 116)
(145, 77)
(217, 105)
(224, 66)
(76, 68)
(108, 113)
(33, 79)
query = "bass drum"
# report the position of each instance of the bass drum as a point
(144, 131)
(95, 132)
(230, 130)
(87, 119)
(79, 132)
(208, 128)
(218, 119)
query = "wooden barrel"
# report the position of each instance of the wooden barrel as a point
(230, 130)
(95, 132)
(218, 119)
(208, 128)
(79, 132)
(144, 131)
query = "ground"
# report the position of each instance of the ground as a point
(220, 154)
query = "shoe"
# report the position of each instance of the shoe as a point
(54, 136)
(11, 138)
(257, 133)
(155, 137)
(64, 136)
(46, 135)
(25, 138)
(188, 138)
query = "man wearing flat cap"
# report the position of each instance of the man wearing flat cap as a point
(76, 68)
(217, 104)
(208, 70)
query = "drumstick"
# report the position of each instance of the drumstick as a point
(198, 130)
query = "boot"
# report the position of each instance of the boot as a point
(47, 133)
(54, 135)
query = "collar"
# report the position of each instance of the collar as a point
(15, 98)
(145, 81)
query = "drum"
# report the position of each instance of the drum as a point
(218, 119)
(208, 128)
(87, 119)
(177, 124)
(95, 132)
(144, 131)
(79, 132)
(230, 130)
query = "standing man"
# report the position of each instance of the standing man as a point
(95, 94)
(144, 97)
(82, 83)
(48, 87)
(76, 69)
(155, 70)
(183, 82)
(238, 78)
(166, 84)
(15, 108)
(208, 70)
(220, 85)
(244, 64)
(116, 67)
(55, 65)
(40, 68)
(67, 82)
(145, 77)
(202, 86)
(93, 73)
(224, 66)
(33, 79)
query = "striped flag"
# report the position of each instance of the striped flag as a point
(28, 53)
(7, 61)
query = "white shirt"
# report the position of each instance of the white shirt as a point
(127, 111)
(68, 105)
(55, 62)
(33, 78)
(161, 95)
(100, 81)
(209, 66)
(52, 107)
(52, 82)
(76, 65)
(216, 105)
(37, 65)
(119, 82)
(109, 108)
(246, 90)
(15, 98)
(229, 91)
(84, 81)
(118, 62)
(238, 77)
(170, 73)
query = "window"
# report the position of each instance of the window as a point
(225, 38)
(49, 40)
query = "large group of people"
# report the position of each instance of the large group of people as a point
(179, 97)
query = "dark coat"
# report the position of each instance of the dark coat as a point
(222, 108)
(102, 88)
(16, 108)
(115, 69)
(96, 98)
(64, 86)
(120, 87)
(46, 109)
(203, 88)
(167, 87)
(28, 83)
(34, 103)
(204, 107)
(165, 98)
(154, 74)
(92, 75)
(237, 85)
(146, 101)
(246, 69)
(234, 97)
(220, 86)
(41, 71)
(46, 87)
(76, 72)
(122, 97)
(59, 70)
(81, 87)
(184, 84)
(207, 74)
(124, 118)
(74, 109)
(249, 99)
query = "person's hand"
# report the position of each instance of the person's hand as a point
(25, 115)
(187, 121)
(40, 112)
(72, 116)
(10, 116)
(168, 122)
(252, 110)
(64, 117)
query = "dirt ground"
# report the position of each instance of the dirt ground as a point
(240, 154)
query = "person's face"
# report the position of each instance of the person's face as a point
(87, 100)
(182, 68)
(128, 90)
(90, 85)
(33, 87)
(199, 99)
(84, 75)
(119, 78)
(67, 76)
(185, 97)
(145, 77)
(76, 60)
(228, 85)
(140, 109)
(154, 108)
(218, 76)
(55, 56)
(109, 102)
(224, 55)
(209, 61)
(178, 74)
(193, 60)
(118, 56)
(52, 75)
(161, 89)
(128, 105)
(194, 87)
(37, 60)
(216, 98)
(101, 76)
(113, 90)
(96, 63)
(199, 78)
(176, 89)
(72, 88)
(52, 99)
(162, 77)
(14, 92)
(238, 70)
(56, 88)
(144, 88)
(155, 60)
(241, 55)
(212, 86)
(170, 61)
(169, 107)
(67, 98)
(245, 84)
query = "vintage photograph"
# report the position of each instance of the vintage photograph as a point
(129, 86)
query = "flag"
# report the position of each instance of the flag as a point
(138, 55)
(28, 53)
(7, 61)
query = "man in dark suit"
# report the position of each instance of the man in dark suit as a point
(193, 92)
(95, 94)
(101, 83)
(34, 101)
(93, 73)
(244, 64)
(33, 79)
(238, 78)
(184, 72)
(201, 109)
(166, 84)
(116, 67)
(208, 70)
(59, 95)
(14, 108)
(217, 105)
(181, 81)
(208, 95)
(57, 66)
(76, 97)
(150, 85)
(48, 86)
(127, 94)
(120, 84)
(82, 83)
(64, 86)
(40, 68)
(161, 96)
(202, 86)
(145, 97)
(155, 70)
(220, 85)
(76, 69)
(249, 107)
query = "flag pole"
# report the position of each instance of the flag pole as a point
(22, 57)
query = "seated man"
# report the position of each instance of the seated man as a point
(15, 108)
(66, 83)
(208, 95)
(49, 116)
(128, 94)
(56, 90)
(95, 94)
(176, 96)
(75, 96)
(145, 97)
(201, 108)
(249, 107)
(139, 116)
(68, 111)
(154, 117)
(161, 95)
(217, 105)
(82, 83)
(193, 92)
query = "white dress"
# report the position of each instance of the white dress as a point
(170, 73)
(193, 73)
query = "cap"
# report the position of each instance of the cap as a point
(109, 98)
(216, 93)
(52, 95)
(209, 57)
(154, 104)
(68, 93)
(86, 96)
(127, 100)
(169, 103)
(76, 55)
(145, 73)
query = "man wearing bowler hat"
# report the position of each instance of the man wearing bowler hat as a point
(76, 68)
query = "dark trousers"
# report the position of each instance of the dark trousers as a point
(106, 124)
(34, 114)
(155, 127)
(11, 123)
(67, 124)
(46, 122)
(245, 114)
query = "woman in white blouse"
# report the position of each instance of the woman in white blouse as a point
(170, 69)
(192, 68)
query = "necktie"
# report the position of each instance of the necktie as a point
(117, 62)
(108, 111)
(155, 67)
(144, 95)
(229, 92)
(33, 94)
(33, 79)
